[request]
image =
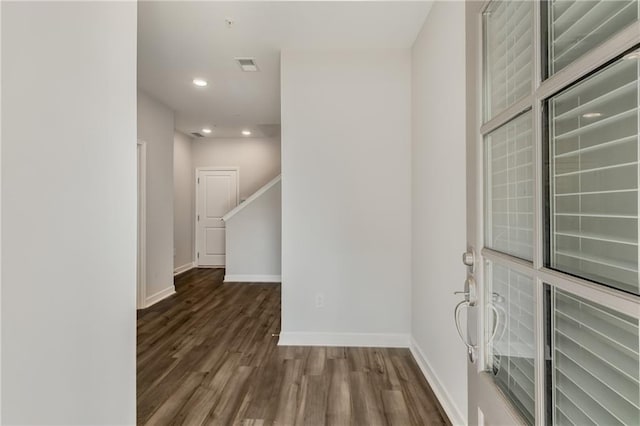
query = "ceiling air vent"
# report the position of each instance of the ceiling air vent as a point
(197, 135)
(247, 64)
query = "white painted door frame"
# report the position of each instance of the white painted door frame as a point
(196, 239)
(141, 265)
(0, 224)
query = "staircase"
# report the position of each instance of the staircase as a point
(253, 237)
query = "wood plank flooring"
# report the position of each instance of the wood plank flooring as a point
(207, 355)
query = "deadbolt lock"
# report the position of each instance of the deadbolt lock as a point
(469, 259)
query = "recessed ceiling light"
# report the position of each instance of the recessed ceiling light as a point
(633, 55)
(246, 132)
(206, 130)
(200, 82)
(592, 115)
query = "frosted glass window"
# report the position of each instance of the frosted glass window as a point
(511, 346)
(577, 26)
(508, 34)
(509, 188)
(595, 364)
(593, 136)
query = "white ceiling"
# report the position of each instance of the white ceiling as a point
(181, 40)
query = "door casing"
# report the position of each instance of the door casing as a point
(141, 273)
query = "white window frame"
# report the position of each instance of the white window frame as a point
(541, 90)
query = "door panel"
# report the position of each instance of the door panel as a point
(593, 177)
(552, 201)
(595, 363)
(508, 47)
(219, 191)
(511, 343)
(496, 409)
(509, 188)
(217, 195)
(214, 241)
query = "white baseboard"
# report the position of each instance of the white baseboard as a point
(374, 340)
(449, 406)
(183, 268)
(252, 278)
(162, 294)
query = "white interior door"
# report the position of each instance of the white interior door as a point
(551, 305)
(217, 194)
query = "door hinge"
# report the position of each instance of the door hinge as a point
(198, 218)
(198, 255)
(198, 180)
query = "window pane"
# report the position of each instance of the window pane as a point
(593, 177)
(577, 26)
(511, 342)
(509, 188)
(508, 51)
(595, 368)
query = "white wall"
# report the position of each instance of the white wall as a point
(182, 201)
(253, 239)
(346, 196)
(439, 200)
(68, 213)
(156, 128)
(0, 214)
(258, 159)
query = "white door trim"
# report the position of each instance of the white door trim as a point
(141, 274)
(196, 239)
(0, 220)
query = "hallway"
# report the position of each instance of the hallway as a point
(207, 355)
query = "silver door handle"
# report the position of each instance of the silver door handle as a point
(471, 349)
(470, 299)
(496, 320)
(469, 292)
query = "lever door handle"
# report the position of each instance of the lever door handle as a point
(496, 320)
(469, 291)
(471, 349)
(464, 293)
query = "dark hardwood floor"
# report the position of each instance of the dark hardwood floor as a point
(207, 355)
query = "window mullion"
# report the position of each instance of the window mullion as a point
(598, 56)
(615, 299)
(538, 219)
(507, 115)
(515, 263)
